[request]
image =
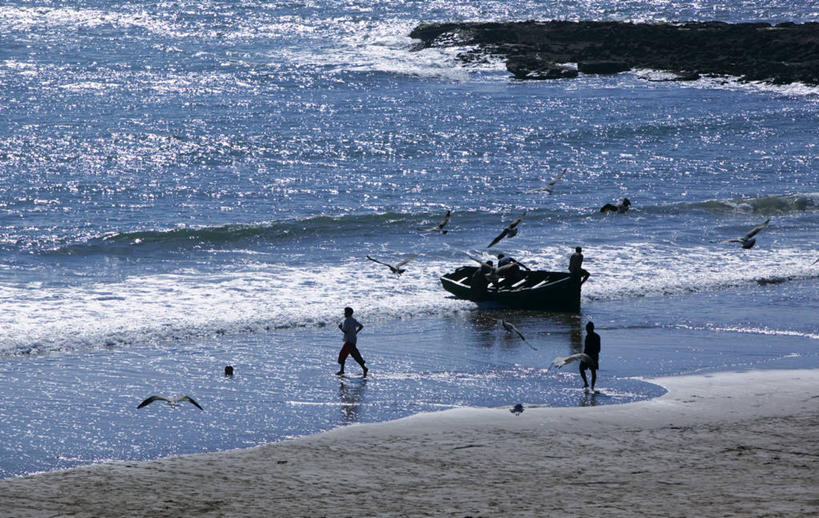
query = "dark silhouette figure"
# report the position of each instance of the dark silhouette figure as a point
(350, 327)
(576, 266)
(591, 348)
(620, 208)
(229, 371)
(479, 282)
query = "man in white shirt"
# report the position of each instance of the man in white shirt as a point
(350, 327)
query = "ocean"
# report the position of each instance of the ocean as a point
(190, 184)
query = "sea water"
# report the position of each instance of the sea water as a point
(191, 184)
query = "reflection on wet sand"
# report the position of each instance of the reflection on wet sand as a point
(350, 393)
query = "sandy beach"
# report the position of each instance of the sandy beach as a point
(725, 444)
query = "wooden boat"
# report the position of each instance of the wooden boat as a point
(556, 291)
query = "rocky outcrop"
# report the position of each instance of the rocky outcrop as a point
(783, 53)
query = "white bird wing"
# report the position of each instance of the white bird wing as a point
(152, 399)
(550, 186)
(563, 361)
(756, 229)
(483, 263)
(405, 261)
(188, 398)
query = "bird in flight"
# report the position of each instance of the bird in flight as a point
(549, 187)
(397, 270)
(440, 226)
(563, 361)
(747, 240)
(171, 401)
(510, 328)
(510, 231)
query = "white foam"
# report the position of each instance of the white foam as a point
(259, 297)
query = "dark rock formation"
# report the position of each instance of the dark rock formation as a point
(784, 53)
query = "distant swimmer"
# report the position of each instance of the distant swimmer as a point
(397, 270)
(510, 231)
(592, 349)
(350, 327)
(576, 266)
(620, 208)
(549, 187)
(747, 240)
(440, 226)
(171, 401)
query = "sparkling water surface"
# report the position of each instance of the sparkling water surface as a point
(190, 184)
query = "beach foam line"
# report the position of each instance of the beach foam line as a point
(735, 443)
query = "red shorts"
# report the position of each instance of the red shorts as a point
(349, 349)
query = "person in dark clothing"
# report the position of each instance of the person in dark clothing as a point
(591, 348)
(479, 281)
(350, 327)
(575, 265)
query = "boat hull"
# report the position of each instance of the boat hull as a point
(554, 291)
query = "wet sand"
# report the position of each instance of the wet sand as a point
(727, 444)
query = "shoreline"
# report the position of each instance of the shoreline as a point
(731, 443)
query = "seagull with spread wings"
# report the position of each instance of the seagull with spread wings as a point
(440, 226)
(511, 230)
(397, 270)
(510, 328)
(174, 401)
(549, 187)
(563, 361)
(747, 240)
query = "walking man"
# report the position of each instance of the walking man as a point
(591, 348)
(350, 327)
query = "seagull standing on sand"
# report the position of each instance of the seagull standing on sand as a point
(397, 270)
(171, 401)
(549, 186)
(746, 240)
(512, 329)
(510, 231)
(440, 226)
(563, 361)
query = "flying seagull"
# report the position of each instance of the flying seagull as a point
(549, 186)
(517, 409)
(512, 329)
(171, 401)
(562, 362)
(397, 270)
(492, 275)
(440, 226)
(746, 240)
(510, 231)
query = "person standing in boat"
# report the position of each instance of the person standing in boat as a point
(592, 349)
(350, 327)
(576, 266)
(479, 281)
